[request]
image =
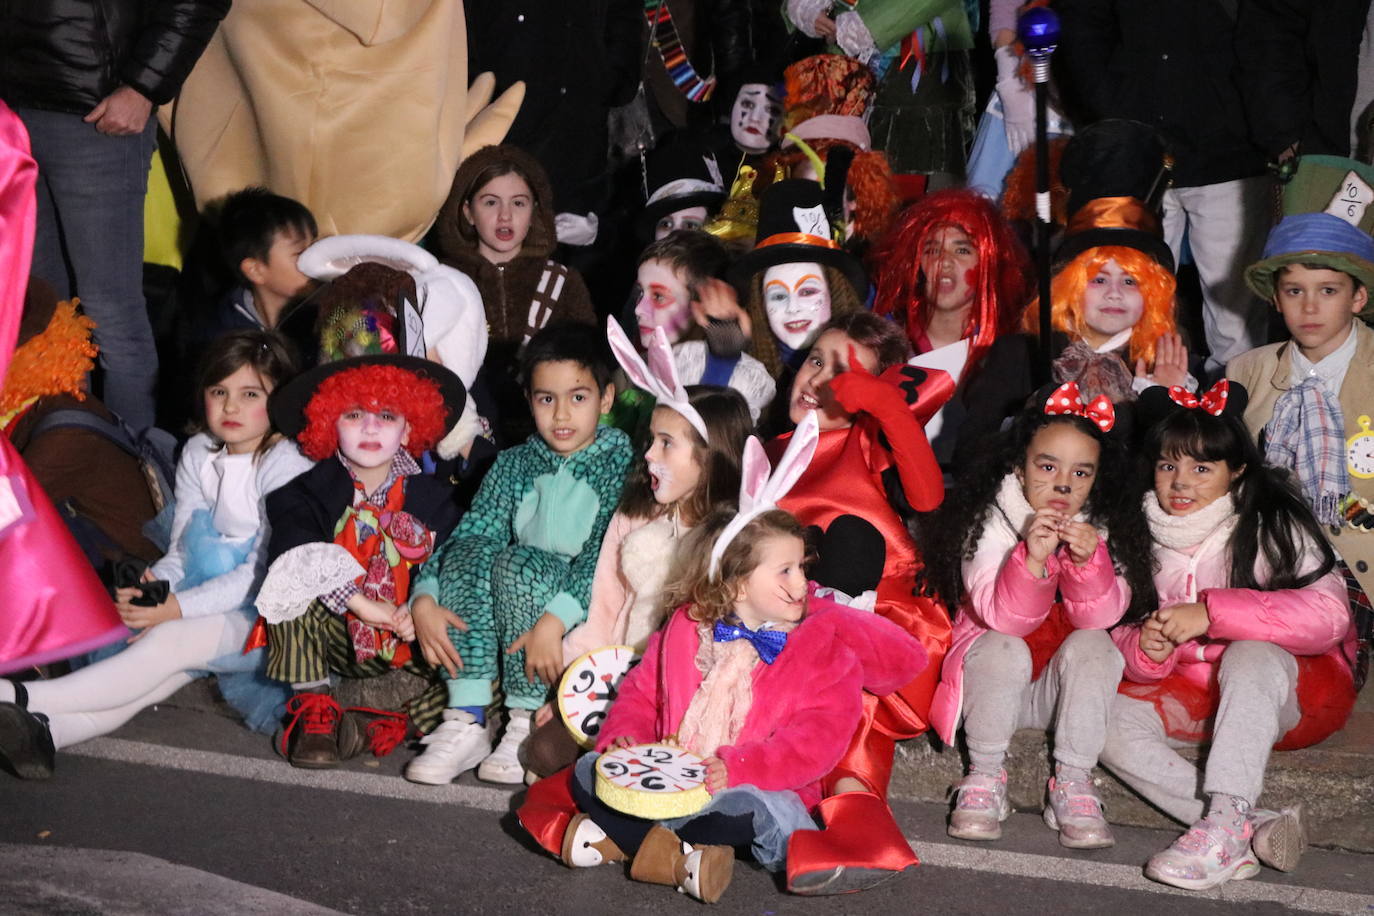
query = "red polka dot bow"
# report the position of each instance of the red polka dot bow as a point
(1214, 401)
(1068, 400)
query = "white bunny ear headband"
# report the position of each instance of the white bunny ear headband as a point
(761, 486)
(659, 377)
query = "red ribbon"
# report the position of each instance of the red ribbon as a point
(1214, 401)
(1067, 399)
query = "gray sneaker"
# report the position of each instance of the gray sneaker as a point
(1280, 836)
(1074, 809)
(980, 807)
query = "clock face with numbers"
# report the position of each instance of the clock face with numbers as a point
(1359, 451)
(652, 780)
(589, 686)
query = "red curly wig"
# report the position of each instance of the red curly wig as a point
(373, 388)
(1002, 276)
(1156, 284)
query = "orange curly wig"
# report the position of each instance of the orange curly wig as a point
(1156, 284)
(373, 388)
(52, 362)
(1002, 276)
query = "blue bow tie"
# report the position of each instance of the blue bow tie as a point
(767, 643)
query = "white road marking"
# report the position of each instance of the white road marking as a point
(938, 855)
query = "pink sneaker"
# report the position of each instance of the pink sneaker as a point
(980, 807)
(1076, 812)
(1207, 855)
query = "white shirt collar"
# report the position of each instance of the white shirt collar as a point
(1331, 368)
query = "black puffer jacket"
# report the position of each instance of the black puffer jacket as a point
(67, 55)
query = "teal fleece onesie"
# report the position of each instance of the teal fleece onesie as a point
(528, 546)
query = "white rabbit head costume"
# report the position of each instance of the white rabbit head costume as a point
(761, 486)
(658, 377)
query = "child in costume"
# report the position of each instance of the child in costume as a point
(691, 465)
(346, 537)
(952, 273)
(517, 572)
(753, 672)
(1252, 647)
(676, 289)
(498, 228)
(873, 457)
(217, 559)
(1053, 551)
(797, 277)
(1112, 306)
(1309, 395)
(262, 236)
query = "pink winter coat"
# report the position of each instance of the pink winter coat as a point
(1314, 620)
(1000, 594)
(806, 704)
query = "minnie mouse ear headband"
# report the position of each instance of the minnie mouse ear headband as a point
(1227, 398)
(659, 376)
(761, 486)
(1067, 400)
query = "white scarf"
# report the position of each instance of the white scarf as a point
(1184, 532)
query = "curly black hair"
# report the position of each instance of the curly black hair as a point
(950, 535)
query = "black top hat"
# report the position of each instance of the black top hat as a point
(287, 404)
(1115, 171)
(793, 227)
(681, 175)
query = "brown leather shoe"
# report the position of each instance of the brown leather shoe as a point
(311, 738)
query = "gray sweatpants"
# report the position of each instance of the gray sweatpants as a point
(1072, 697)
(1259, 703)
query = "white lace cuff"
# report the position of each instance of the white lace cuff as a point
(301, 575)
(803, 14)
(853, 36)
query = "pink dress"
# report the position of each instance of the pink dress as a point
(55, 606)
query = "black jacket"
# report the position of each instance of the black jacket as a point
(306, 510)
(1298, 71)
(1169, 63)
(67, 55)
(577, 60)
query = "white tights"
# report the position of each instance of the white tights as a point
(99, 698)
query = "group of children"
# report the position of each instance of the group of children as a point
(791, 629)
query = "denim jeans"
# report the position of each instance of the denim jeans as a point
(89, 243)
(765, 820)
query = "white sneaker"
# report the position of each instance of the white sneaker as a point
(503, 764)
(455, 747)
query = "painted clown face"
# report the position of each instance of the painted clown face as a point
(662, 300)
(797, 299)
(754, 117)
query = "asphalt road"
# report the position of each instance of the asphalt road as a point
(184, 812)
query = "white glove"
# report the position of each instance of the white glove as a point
(853, 37)
(1018, 101)
(575, 229)
(804, 13)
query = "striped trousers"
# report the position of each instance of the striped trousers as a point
(309, 648)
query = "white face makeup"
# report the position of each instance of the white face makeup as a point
(691, 218)
(1112, 303)
(754, 117)
(797, 300)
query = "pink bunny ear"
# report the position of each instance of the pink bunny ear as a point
(754, 473)
(628, 358)
(661, 364)
(795, 459)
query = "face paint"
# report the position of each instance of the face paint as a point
(662, 300)
(797, 299)
(949, 261)
(671, 458)
(691, 218)
(754, 117)
(1112, 303)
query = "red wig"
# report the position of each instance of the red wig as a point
(373, 388)
(1156, 285)
(1001, 278)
